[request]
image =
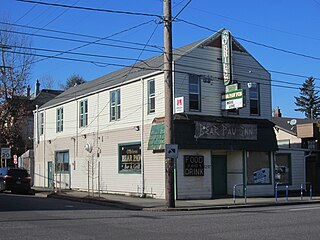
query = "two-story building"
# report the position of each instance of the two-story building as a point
(298, 156)
(108, 134)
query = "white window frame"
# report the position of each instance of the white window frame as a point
(59, 122)
(83, 113)
(115, 105)
(151, 97)
(198, 93)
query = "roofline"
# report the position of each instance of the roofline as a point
(100, 90)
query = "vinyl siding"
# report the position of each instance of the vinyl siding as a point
(189, 187)
(204, 61)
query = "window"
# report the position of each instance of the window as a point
(115, 104)
(194, 93)
(130, 158)
(83, 120)
(62, 161)
(254, 99)
(59, 123)
(282, 168)
(41, 123)
(151, 97)
(258, 168)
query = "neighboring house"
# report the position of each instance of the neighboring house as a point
(297, 160)
(31, 102)
(108, 134)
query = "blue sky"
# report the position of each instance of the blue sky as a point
(291, 26)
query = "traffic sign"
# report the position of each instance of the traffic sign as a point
(15, 159)
(5, 153)
(171, 150)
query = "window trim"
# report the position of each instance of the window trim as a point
(41, 123)
(257, 99)
(289, 166)
(199, 93)
(56, 159)
(83, 115)
(270, 170)
(116, 105)
(122, 171)
(59, 120)
(151, 97)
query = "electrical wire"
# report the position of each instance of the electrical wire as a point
(92, 9)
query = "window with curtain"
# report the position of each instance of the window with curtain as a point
(62, 161)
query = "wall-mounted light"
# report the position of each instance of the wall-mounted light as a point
(84, 136)
(49, 141)
(73, 138)
(136, 128)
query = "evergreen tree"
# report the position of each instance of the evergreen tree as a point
(73, 80)
(309, 100)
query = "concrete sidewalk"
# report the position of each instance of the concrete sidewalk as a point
(150, 204)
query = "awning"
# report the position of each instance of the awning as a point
(156, 140)
(224, 133)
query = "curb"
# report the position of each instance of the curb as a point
(103, 202)
(125, 206)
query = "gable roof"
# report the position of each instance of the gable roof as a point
(284, 123)
(152, 65)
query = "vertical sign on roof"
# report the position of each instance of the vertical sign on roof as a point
(226, 56)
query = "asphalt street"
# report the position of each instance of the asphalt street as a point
(34, 217)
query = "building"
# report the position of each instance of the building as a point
(108, 134)
(297, 160)
(31, 102)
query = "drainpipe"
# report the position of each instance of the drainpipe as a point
(142, 194)
(304, 163)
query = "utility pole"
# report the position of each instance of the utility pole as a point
(167, 67)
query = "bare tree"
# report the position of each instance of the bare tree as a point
(15, 68)
(47, 81)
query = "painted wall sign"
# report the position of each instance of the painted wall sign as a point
(211, 130)
(226, 56)
(193, 165)
(130, 157)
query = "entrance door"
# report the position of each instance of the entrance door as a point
(219, 175)
(50, 174)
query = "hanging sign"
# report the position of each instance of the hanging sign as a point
(226, 56)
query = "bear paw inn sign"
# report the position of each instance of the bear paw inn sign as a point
(211, 130)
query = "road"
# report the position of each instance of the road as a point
(34, 217)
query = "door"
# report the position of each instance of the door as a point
(50, 174)
(219, 175)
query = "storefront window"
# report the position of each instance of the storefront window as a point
(130, 158)
(258, 168)
(282, 169)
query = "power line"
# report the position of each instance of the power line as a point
(92, 9)
(76, 34)
(181, 10)
(120, 46)
(254, 42)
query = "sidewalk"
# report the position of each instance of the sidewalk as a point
(150, 204)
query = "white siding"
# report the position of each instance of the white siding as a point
(204, 61)
(189, 187)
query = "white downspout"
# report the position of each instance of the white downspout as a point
(142, 140)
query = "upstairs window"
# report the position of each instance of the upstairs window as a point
(59, 123)
(254, 95)
(83, 110)
(115, 105)
(194, 93)
(41, 123)
(151, 97)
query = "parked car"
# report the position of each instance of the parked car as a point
(15, 180)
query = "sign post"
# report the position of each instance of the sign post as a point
(5, 154)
